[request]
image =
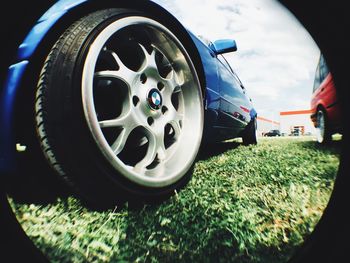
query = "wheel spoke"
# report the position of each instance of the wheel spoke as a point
(150, 59)
(126, 75)
(119, 144)
(171, 87)
(161, 154)
(116, 59)
(172, 114)
(127, 123)
(155, 151)
(177, 127)
(122, 72)
(125, 120)
(111, 58)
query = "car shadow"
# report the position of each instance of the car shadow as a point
(213, 149)
(35, 189)
(332, 147)
(35, 183)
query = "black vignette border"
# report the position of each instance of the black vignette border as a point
(328, 23)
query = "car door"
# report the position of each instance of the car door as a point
(323, 90)
(235, 106)
(324, 93)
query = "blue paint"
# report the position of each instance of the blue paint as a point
(16, 72)
(8, 96)
(42, 27)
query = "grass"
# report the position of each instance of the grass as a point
(243, 204)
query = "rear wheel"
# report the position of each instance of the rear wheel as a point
(119, 108)
(323, 134)
(249, 135)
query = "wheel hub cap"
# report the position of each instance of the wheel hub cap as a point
(154, 99)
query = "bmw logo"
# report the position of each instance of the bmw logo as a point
(154, 99)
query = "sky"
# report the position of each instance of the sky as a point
(276, 57)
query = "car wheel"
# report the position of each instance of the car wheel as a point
(119, 108)
(323, 134)
(249, 134)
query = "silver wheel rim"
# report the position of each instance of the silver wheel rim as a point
(154, 133)
(320, 128)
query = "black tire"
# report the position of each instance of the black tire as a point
(323, 133)
(249, 135)
(68, 137)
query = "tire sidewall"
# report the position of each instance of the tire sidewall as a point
(249, 136)
(326, 133)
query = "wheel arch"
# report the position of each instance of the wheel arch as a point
(87, 6)
(320, 106)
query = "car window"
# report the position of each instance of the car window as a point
(323, 68)
(317, 80)
(228, 66)
(321, 73)
(224, 61)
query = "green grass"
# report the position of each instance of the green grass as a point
(243, 204)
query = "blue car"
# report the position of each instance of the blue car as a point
(116, 97)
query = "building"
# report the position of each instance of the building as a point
(296, 122)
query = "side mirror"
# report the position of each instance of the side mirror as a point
(223, 46)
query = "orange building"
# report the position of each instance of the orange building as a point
(296, 122)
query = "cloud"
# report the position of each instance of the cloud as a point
(276, 57)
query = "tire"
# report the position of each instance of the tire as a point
(119, 108)
(323, 134)
(249, 135)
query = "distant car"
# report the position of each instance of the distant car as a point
(273, 133)
(326, 114)
(296, 132)
(116, 97)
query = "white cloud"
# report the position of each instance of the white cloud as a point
(276, 57)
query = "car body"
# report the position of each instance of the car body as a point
(59, 97)
(272, 133)
(326, 114)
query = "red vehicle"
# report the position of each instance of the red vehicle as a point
(326, 114)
